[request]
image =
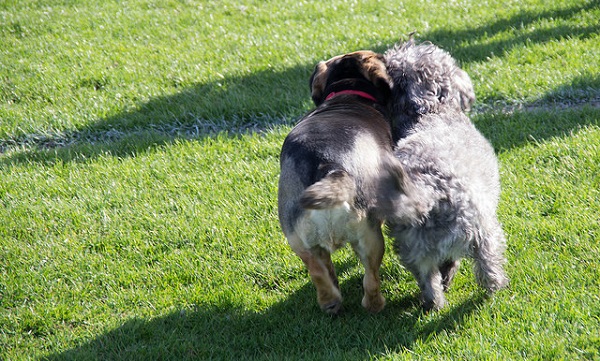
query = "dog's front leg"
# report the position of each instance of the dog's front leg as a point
(370, 251)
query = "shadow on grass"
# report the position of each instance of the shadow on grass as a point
(522, 28)
(557, 114)
(231, 105)
(269, 98)
(292, 329)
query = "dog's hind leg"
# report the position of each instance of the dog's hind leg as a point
(370, 251)
(489, 261)
(328, 294)
(321, 271)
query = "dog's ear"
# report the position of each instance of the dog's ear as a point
(463, 89)
(425, 97)
(429, 90)
(374, 70)
(318, 81)
(451, 87)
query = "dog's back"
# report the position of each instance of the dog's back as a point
(329, 168)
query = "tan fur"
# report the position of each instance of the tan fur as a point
(319, 78)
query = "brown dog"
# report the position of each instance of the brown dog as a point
(330, 169)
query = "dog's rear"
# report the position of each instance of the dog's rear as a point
(330, 164)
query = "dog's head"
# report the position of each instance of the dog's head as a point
(361, 71)
(425, 79)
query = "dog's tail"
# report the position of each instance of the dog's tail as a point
(398, 199)
(331, 191)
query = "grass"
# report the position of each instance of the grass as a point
(139, 145)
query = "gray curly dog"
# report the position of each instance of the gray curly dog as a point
(440, 204)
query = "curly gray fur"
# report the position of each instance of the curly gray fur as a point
(442, 205)
(426, 80)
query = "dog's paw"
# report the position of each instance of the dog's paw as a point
(333, 308)
(430, 306)
(497, 284)
(373, 304)
(433, 304)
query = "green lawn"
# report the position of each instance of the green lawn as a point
(139, 145)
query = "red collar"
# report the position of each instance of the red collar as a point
(352, 92)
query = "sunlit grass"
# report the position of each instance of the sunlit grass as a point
(139, 149)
